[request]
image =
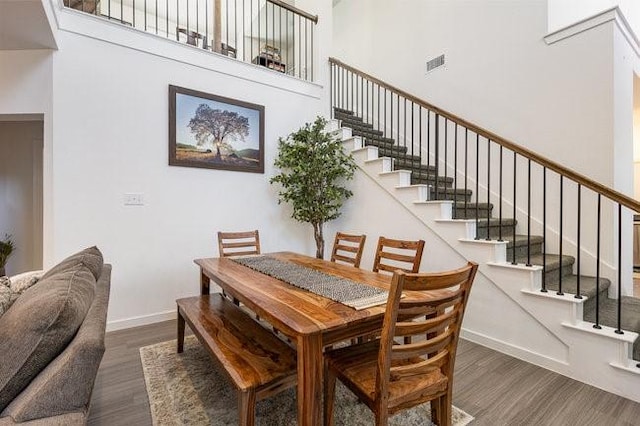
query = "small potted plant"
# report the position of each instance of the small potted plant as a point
(313, 171)
(7, 247)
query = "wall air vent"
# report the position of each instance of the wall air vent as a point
(435, 63)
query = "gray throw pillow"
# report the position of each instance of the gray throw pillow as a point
(90, 257)
(40, 324)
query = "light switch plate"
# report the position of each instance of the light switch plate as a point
(133, 199)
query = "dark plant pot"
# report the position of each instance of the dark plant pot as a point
(2, 271)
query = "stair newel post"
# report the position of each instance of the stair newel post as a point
(488, 184)
(619, 329)
(597, 324)
(515, 181)
(478, 186)
(560, 293)
(437, 154)
(544, 229)
(529, 212)
(579, 246)
(500, 199)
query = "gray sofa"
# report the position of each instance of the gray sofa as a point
(59, 373)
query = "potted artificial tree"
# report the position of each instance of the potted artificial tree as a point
(313, 170)
(7, 247)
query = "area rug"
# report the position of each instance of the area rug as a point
(189, 389)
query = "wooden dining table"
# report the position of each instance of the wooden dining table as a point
(310, 320)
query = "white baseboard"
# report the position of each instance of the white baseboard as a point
(141, 320)
(559, 366)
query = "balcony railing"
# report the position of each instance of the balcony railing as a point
(269, 33)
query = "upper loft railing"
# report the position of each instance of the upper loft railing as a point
(574, 214)
(270, 33)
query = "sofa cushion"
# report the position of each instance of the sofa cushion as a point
(7, 296)
(23, 281)
(40, 324)
(90, 257)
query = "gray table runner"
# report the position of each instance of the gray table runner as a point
(348, 292)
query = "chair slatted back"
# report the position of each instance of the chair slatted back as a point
(392, 255)
(238, 243)
(348, 248)
(436, 318)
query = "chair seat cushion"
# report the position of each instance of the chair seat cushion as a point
(356, 367)
(40, 324)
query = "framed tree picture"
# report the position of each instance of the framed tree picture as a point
(214, 132)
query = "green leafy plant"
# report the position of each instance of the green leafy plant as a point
(7, 247)
(313, 171)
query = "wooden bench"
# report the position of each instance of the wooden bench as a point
(256, 361)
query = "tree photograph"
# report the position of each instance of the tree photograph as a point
(214, 132)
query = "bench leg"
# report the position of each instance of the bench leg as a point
(247, 408)
(180, 332)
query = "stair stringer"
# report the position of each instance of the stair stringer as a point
(602, 359)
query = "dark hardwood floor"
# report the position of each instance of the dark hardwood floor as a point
(495, 388)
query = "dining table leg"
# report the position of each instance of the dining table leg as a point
(310, 371)
(205, 283)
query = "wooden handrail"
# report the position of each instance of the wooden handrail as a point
(313, 18)
(612, 194)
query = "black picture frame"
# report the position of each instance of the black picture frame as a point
(198, 139)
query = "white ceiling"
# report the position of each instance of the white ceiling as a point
(24, 25)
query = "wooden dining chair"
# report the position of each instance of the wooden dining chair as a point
(238, 243)
(392, 255)
(347, 248)
(389, 376)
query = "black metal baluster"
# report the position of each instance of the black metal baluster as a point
(420, 136)
(544, 230)
(404, 113)
(133, 18)
(331, 89)
(446, 160)
(437, 154)
(478, 188)
(488, 183)
(177, 18)
(500, 200)
(166, 8)
(560, 292)
(597, 324)
(529, 212)
(428, 140)
(619, 329)
(515, 182)
(455, 169)
(466, 173)
(197, 17)
(579, 247)
(145, 13)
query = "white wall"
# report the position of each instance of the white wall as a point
(111, 137)
(563, 13)
(21, 192)
(499, 72)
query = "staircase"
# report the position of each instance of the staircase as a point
(557, 268)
